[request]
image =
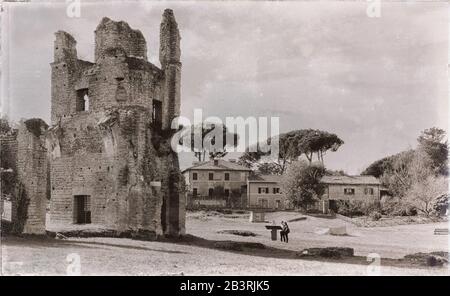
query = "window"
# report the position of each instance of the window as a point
(194, 192)
(263, 190)
(227, 176)
(194, 176)
(349, 191)
(368, 191)
(82, 103)
(210, 192)
(157, 114)
(227, 192)
(211, 176)
(276, 190)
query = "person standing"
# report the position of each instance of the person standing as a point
(286, 231)
(282, 234)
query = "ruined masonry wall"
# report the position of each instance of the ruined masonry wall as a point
(114, 167)
(25, 153)
(113, 152)
(110, 34)
(32, 172)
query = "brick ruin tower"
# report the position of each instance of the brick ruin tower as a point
(109, 141)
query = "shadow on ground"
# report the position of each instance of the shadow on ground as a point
(237, 247)
(259, 249)
(38, 241)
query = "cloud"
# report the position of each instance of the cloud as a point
(376, 82)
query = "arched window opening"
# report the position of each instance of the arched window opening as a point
(82, 100)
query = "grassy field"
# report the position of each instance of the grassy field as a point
(199, 255)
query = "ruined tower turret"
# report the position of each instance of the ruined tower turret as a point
(111, 161)
(63, 67)
(109, 34)
(169, 57)
(65, 47)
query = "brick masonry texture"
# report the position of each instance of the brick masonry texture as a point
(25, 153)
(115, 148)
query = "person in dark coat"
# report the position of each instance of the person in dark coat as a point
(282, 234)
(285, 231)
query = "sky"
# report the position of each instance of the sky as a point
(374, 81)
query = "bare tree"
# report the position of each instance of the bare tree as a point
(422, 194)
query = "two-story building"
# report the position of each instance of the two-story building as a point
(348, 188)
(220, 183)
(217, 183)
(264, 191)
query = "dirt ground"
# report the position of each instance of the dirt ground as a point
(389, 242)
(198, 256)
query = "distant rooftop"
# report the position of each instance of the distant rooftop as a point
(220, 165)
(344, 180)
(354, 180)
(265, 178)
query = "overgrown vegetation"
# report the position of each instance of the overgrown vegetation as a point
(36, 126)
(5, 126)
(302, 184)
(354, 208)
(415, 178)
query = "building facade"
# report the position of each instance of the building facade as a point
(348, 188)
(265, 192)
(217, 183)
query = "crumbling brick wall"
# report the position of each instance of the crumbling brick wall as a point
(118, 151)
(169, 57)
(111, 34)
(32, 176)
(25, 153)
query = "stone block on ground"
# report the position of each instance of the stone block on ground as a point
(428, 259)
(340, 230)
(238, 232)
(329, 252)
(256, 216)
(237, 246)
